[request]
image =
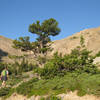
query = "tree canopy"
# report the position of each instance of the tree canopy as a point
(43, 31)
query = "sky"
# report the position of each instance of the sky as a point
(72, 16)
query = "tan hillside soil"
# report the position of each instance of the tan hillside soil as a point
(91, 36)
(68, 96)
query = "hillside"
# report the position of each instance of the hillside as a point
(68, 80)
(6, 49)
(92, 42)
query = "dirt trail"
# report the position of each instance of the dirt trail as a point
(30, 74)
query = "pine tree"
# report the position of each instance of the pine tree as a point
(42, 44)
(44, 31)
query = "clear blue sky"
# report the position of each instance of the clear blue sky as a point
(72, 15)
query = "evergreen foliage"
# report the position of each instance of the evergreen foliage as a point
(74, 71)
(23, 43)
(18, 68)
(82, 41)
(43, 42)
(80, 59)
(98, 54)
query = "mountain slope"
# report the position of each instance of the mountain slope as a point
(6, 45)
(92, 42)
(7, 49)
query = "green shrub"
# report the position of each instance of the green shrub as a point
(4, 91)
(98, 54)
(2, 66)
(25, 88)
(25, 66)
(54, 98)
(51, 98)
(42, 60)
(78, 60)
(84, 83)
(53, 68)
(42, 98)
(18, 68)
(74, 37)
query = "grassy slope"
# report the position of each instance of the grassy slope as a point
(84, 83)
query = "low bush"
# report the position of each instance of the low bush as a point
(2, 66)
(78, 60)
(84, 83)
(51, 98)
(4, 91)
(18, 68)
(98, 54)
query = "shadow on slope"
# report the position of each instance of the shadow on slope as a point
(2, 54)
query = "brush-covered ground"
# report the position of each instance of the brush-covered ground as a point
(60, 74)
(84, 83)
